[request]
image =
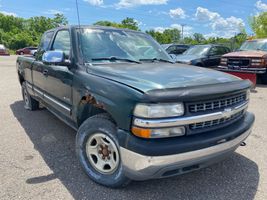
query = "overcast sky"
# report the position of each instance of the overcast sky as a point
(209, 17)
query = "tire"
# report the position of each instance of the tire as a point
(21, 53)
(94, 133)
(29, 102)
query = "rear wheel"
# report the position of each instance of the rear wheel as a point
(29, 102)
(98, 151)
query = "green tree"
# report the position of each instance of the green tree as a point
(199, 38)
(130, 23)
(167, 36)
(259, 25)
(16, 32)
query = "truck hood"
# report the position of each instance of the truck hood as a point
(149, 76)
(187, 58)
(247, 54)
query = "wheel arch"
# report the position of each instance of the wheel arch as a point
(88, 106)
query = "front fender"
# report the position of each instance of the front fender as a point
(93, 94)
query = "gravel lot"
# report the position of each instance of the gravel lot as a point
(37, 158)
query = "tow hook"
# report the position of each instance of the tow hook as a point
(243, 144)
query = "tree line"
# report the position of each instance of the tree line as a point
(17, 32)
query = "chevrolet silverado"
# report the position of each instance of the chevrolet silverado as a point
(138, 114)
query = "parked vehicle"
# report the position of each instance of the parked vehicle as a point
(138, 116)
(3, 50)
(175, 49)
(26, 50)
(33, 52)
(203, 55)
(250, 58)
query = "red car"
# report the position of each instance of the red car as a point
(3, 50)
(26, 50)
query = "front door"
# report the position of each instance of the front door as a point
(39, 68)
(59, 78)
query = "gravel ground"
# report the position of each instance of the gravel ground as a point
(37, 158)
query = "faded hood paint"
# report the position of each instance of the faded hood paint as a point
(247, 54)
(148, 76)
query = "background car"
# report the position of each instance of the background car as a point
(175, 49)
(26, 50)
(3, 50)
(203, 55)
(33, 52)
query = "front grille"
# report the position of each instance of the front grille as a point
(238, 62)
(217, 104)
(217, 122)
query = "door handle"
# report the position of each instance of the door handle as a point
(45, 72)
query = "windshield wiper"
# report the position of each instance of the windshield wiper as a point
(114, 58)
(156, 59)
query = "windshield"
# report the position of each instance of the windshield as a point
(2, 46)
(254, 45)
(123, 44)
(197, 50)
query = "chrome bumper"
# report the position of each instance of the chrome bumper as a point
(260, 70)
(141, 167)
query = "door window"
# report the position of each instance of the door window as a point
(214, 51)
(62, 42)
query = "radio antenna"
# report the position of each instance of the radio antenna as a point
(78, 14)
(79, 32)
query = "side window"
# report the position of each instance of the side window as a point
(224, 50)
(215, 51)
(264, 47)
(171, 50)
(45, 41)
(62, 42)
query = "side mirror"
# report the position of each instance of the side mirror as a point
(173, 57)
(55, 58)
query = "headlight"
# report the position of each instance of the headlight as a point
(224, 61)
(159, 110)
(257, 62)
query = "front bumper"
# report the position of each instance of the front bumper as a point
(254, 70)
(139, 166)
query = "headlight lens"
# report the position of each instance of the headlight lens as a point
(257, 62)
(224, 61)
(159, 110)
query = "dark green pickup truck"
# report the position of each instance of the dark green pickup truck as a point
(138, 115)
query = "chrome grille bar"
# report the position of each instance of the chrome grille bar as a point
(181, 121)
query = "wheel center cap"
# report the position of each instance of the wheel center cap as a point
(105, 152)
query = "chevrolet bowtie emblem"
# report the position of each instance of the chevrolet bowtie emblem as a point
(227, 113)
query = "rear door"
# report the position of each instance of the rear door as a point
(59, 78)
(38, 69)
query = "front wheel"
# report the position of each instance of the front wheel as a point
(98, 151)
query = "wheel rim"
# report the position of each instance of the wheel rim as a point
(102, 153)
(26, 98)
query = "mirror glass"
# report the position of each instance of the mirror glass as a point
(53, 57)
